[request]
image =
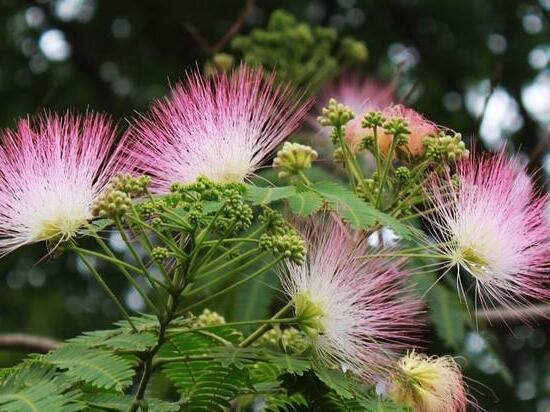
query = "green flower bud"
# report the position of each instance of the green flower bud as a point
(111, 204)
(208, 318)
(290, 245)
(372, 120)
(293, 158)
(219, 63)
(403, 174)
(159, 254)
(133, 186)
(335, 114)
(445, 147)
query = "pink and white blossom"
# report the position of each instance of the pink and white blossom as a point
(491, 226)
(52, 168)
(223, 128)
(364, 313)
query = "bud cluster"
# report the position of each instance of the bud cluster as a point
(293, 158)
(335, 114)
(208, 318)
(290, 339)
(111, 203)
(445, 147)
(133, 186)
(289, 244)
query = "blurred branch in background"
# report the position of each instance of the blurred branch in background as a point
(505, 315)
(233, 30)
(31, 343)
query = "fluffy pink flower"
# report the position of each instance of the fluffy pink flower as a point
(491, 225)
(51, 170)
(355, 308)
(222, 128)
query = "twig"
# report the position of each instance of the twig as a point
(538, 151)
(228, 35)
(234, 29)
(506, 315)
(32, 343)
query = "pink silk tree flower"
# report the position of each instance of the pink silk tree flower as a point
(52, 168)
(356, 309)
(490, 224)
(222, 128)
(430, 384)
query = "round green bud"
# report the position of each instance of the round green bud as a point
(293, 158)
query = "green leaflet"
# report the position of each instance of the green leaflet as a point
(118, 402)
(284, 402)
(305, 203)
(358, 213)
(263, 195)
(97, 367)
(36, 388)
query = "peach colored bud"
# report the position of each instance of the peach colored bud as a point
(419, 127)
(355, 134)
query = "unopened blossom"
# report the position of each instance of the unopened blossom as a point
(429, 384)
(52, 169)
(361, 96)
(419, 128)
(490, 224)
(355, 310)
(222, 127)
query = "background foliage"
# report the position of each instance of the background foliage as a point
(451, 58)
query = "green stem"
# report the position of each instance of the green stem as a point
(225, 276)
(180, 331)
(245, 255)
(265, 327)
(234, 285)
(385, 171)
(232, 249)
(107, 289)
(128, 276)
(149, 247)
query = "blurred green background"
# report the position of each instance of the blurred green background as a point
(455, 61)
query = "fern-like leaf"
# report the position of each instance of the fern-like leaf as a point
(97, 367)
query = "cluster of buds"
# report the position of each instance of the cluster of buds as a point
(236, 215)
(289, 245)
(133, 186)
(111, 203)
(208, 318)
(293, 158)
(290, 340)
(274, 221)
(445, 147)
(159, 254)
(335, 114)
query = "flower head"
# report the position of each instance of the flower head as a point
(222, 127)
(356, 311)
(52, 168)
(491, 225)
(419, 128)
(361, 96)
(429, 384)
